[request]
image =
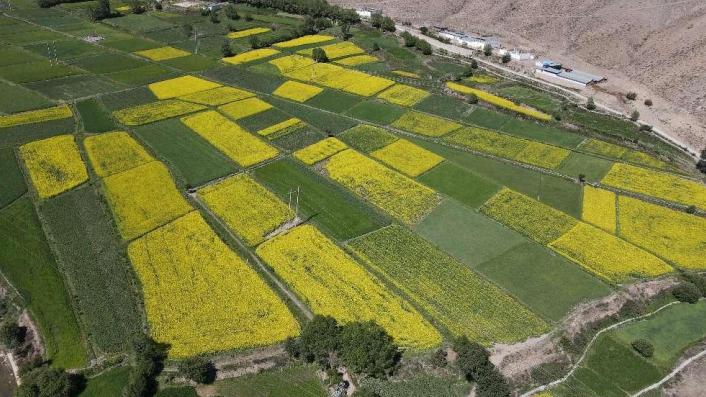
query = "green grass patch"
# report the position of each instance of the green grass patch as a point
(191, 158)
(108, 63)
(179, 391)
(334, 101)
(192, 63)
(35, 71)
(73, 87)
(132, 44)
(488, 118)
(542, 132)
(109, 383)
(329, 123)
(285, 382)
(376, 112)
(31, 36)
(329, 206)
(143, 75)
(445, 106)
(242, 77)
(94, 116)
(300, 138)
(419, 386)
(17, 135)
(138, 23)
(65, 49)
(263, 120)
(11, 55)
(27, 262)
(545, 281)
(594, 168)
(460, 184)
(12, 184)
(467, 235)
(126, 99)
(16, 98)
(367, 138)
(531, 97)
(91, 256)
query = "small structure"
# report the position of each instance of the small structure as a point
(468, 40)
(214, 7)
(517, 55)
(556, 72)
(367, 12)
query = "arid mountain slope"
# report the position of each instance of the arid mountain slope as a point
(654, 47)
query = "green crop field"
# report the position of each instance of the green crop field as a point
(297, 380)
(376, 112)
(27, 262)
(110, 383)
(460, 184)
(12, 185)
(16, 98)
(94, 116)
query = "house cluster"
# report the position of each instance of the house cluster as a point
(557, 73)
(367, 12)
(476, 42)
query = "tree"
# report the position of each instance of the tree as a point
(198, 370)
(366, 348)
(376, 46)
(137, 7)
(474, 64)
(376, 20)
(148, 362)
(487, 49)
(635, 115)
(644, 347)
(423, 46)
(698, 280)
(345, 31)
(648, 102)
(322, 23)
(188, 29)
(686, 292)
(473, 360)
(590, 104)
(424, 30)
(248, 17)
(226, 50)
(409, 39)
(45, 381)
(319, 55)
(472, 99)
(631, 95)
(318, 341)
(11, 334)
(102, 10)
(231, 12)
(506, 57)
(388, 25)
(214, 17)
(438, 359)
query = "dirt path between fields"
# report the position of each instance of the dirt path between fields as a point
(672, 374)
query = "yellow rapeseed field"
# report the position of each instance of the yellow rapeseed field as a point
(542, 155)
(394, 193)
(338, 77)
(483, 79)
(244, 108)
(228, 137)
(406, 74)
(217, 96)
(248, 209)
(599, 208)
(333, 284)
(366, 85)
(607, 256)
(488, 141)
(404, 95)
(143, 198)
(304, 40)
(425, 124)
(115, 152)
(291, 63)
(163, 53)
(155, 111)
(536, 220)
(603, 148)
(408, 158)
(357, 60)
(54, 165)
(250, 56)
(658, 184)
(633, 156)
(499, 101)
(179, 86)
(282, 128)
(320, 150)
(200, 297)
(247, 32)
(336, 50)
(36, 116)
(296, 91)
(673, 235)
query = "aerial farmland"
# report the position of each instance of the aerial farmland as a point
(271, 198)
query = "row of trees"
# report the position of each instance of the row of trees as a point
(412, 41)
(386, 24)
(313, 8)
(473, 360)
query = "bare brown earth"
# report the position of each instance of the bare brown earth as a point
(690, 382)
(656, 48)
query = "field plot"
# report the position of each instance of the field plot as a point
(248, 209)
(304, 40)
(407, 157)
(332, 283)
(94, 116)
(19, 99)
(538, 221)
(282, 128)
(322, 202)
(92, 258)
(330, 123)
(36, 116)
(27, 262)
(251, 56)
(217, 96)
(334, 101)
(607, 256)
(673, 235)
(54, 165)
(143, 198)
(404, 95)
(452, 294)
(422, 385)
(115, 152)
(618, 152)
(394, 193)
(338, 77)
(367, 138)
(151, 112)
(180, 86)
(244, 108)
(284, 382)
(189, 156)
(236, 143)
(247, 32)
(592, 167)
(357, 60)
(424, 124)
(319, 151)
(108, 383)
(460, 184)
(599, 208)
(376, 111)
(499, 101)
(336, 50)
(36, 71)
(290, 63)
(12, 184)
(162, 53)
(184, 265)
(657, 184)
(296, 91)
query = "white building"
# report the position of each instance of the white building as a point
(468, 40)
(367, 13)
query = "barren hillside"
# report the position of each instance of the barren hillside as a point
(654, 47)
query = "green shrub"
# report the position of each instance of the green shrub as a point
(686, 292)
(644, 347)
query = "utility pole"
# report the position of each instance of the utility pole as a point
(296, 212)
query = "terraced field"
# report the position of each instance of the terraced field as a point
(204, 181)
